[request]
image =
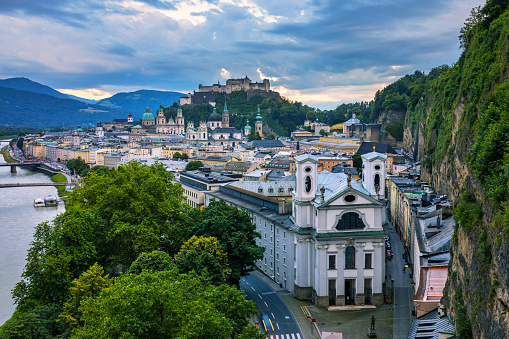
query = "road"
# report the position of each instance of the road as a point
(403, 293)
(267, 301)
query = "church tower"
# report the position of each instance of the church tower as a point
(180, 120)
(161, 119)
(258, 124)
(99, 130)
(130, 118)
(373, 173)
(247, 129)
(306, 176)
(226, 116)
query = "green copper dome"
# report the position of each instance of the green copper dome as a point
(247, 125)
(214, 116)
(258, 116)
(161, 109)
(148, 115)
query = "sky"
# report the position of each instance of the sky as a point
(320, 52)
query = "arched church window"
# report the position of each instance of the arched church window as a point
(350, 257)
(307, 184)
(377, 180)
(377, 167)
(350, 221)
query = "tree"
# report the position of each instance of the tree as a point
(270, 137)
(165, 305)
(323, 132)
(20, 142)
(109, 219)
(40, 323)
(200, 253)
(100, 170)
(79, 166)
(176, 155)
(193, 165)
(153, 261)
(184, 156)
(88, 285)
(235, 232)
(357, 161)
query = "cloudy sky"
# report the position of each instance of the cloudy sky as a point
(320, 52)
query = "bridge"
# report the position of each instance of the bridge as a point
(39, 184)
(35, 165)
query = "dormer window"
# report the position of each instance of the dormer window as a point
(260, 190)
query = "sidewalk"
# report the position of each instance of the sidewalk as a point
(353, 323)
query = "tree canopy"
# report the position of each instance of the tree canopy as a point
(174, 306)
(235, 232)
(193, 165)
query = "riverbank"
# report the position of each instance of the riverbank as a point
(7, 156)
(61, 189)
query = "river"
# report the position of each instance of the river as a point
(18, 219)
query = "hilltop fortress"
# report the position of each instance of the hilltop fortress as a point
(208, 94)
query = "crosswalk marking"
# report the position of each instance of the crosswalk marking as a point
(285, 336)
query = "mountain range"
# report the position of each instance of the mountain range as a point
(24, 102)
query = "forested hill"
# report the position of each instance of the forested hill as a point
(464, 148)
(137, 102)
(280, 114)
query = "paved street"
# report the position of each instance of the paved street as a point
(403, 293)
(283, 324)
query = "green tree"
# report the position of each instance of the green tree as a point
(357, 161)
(184, 156)
(176, 155)
(323, 132)
(154, 261)
(20, 143)
(204, 253)
(79, 166)
(88, 285)
(193, 165)
(270, 137)
(236, 234)
(100, 170)
(165, 305)
(40, 323)
(109, 219)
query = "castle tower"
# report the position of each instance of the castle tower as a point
(130, 118)
(373, 174)
(161, 119)
(258, 124)
(99, 130)
(247, 129)
(226, 116)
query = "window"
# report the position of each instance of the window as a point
(271, 239)
(271, 190)
(277, 230)
(271, 266)
(265, 235)
(350, 221)
(281, 189)
(266, 225)
(284, 247)
(290, 190)
(307, 184)
(377, 167)
(350, 198)
(284, 261)
(271, 227)
(332, 262)
(277, 243)
(277, 256)
(368, 260)
(284, 275)
(265, 260)
(350, 257)
(277, 270)
(271, 252)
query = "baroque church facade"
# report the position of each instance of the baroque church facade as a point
(151, 124)
(339, 246)
(216, 130)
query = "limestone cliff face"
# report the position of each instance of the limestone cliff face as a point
(391, 118)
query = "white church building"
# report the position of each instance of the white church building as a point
(331, 248)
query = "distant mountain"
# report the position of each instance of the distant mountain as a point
(87, 101)
(136, 102)
(25, 108)
(24, 84)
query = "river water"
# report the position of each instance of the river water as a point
(18, 218)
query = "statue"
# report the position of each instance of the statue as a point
(371, 330)
(372, 322)
(349, 178)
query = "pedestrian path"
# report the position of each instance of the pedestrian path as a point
(285, 336)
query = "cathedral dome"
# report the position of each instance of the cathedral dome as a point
(214, 116)
(148, 115)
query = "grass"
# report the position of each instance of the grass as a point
(61, 189)
(7, 156)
